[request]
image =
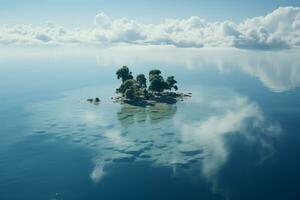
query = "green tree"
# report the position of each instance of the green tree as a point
(171, 83)
(128, 84)
(137, 88)
(157, 83)
(124, 74)
(141, 81)
(146, 94)
(130, 93)
(154, 72)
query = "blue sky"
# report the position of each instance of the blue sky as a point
(81, 12)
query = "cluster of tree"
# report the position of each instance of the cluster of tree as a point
(132, 88)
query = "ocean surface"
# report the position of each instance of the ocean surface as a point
(237, 137)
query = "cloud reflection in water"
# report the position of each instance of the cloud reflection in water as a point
(240, 117)
(191, 134)
(277, 70)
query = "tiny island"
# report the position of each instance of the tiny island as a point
(134, 91)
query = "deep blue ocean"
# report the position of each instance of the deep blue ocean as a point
(237, 137)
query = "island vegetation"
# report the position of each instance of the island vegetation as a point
(138, 91)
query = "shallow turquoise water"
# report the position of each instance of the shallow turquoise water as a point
(236, 138)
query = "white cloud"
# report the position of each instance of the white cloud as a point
(276, 30)
(116, 137)
(97, 173)
(210, 133)
(239, 116)
(43, 37)
(102, 20)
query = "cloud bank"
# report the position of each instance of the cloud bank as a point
(278, 29)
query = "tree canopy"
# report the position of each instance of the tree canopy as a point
(137, 88)
(127, 85)
(157, 83)
(124, 74)
(153, 73)
(171, 83)
(141, 81)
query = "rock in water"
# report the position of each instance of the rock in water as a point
(97, 99)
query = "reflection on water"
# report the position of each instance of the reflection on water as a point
(154, 114)
(224, 135)
(238, 117)
(277, 70)
(190, 135)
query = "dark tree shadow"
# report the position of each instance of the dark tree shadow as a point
(130, 114)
